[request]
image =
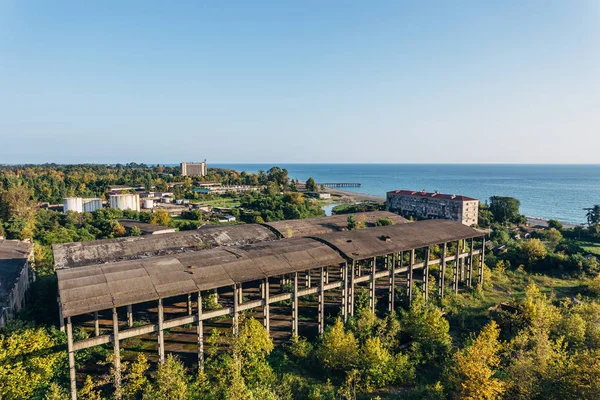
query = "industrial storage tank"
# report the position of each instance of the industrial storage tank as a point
(149, 203)
(73, 204)
(125, 201)
(91, 205)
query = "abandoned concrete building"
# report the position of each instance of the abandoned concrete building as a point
(159, 281)
(15, 276)
(193, 168)
(424, 205)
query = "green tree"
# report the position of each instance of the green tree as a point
(27, 362)
(553, 237)
(170, 383)
(135, 231)
(311, 185)
(384, 222)
(474, 367)
(533, 250)
(505, 209)
(161, 217)
(553, 223)
(593, 215)
(339, 349)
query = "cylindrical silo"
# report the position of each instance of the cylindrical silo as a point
(91, 205)
(149, 203)
(125, 201)
(73, 204)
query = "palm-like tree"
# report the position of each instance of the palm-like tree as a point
(593, 215)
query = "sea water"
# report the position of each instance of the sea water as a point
(545, 191)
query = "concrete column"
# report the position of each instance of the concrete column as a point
(161, 332)
(96, 324)
(307, 279)
(352, 288)
(345, 291)
(61, 319)
(327, 275)
(409, 277)
(72, 376)
(391, 265)
(240, 294)
(200, 330)
(456, 267)
(266, 307)
(481, 263)
(470, 265)
(442, 276)
(117, 354)
(372, 298)
(235, 321)
(130, 315)
(426, 274)
(295, 306)
(189, 304)
(321, 301)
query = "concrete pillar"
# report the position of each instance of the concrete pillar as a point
(117, 354)
(200, 330)
(72, 377)
(409, 277)
(442, 276)
(321, 312)
(189, 304)
(61, 319)
(327, 275)
(481, 263)
(426, 274)
(470, 265)
(307, 279)
(352, 288)
(130, 315)
(345, 291)
(456, 267)
(235, 320)
(391, 265)
(295, 306)
(240, 294)
(96, 324)
(161, 332)
(266, 307)
(372, 298)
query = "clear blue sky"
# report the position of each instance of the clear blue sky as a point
(300, 81)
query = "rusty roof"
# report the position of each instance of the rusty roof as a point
(68, 255)
(335, 223)
(434, 195)
(366, 243)
(98, 287)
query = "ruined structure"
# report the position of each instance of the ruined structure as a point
(15, 276)
(334, 263)
(424, 205)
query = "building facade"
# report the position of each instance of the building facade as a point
(424, 205)
(16, 275)
(193, 168)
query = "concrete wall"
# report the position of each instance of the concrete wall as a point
(16, 298)
(193, 169)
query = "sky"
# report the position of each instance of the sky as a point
(307, 81)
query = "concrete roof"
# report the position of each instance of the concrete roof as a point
(13, 255)
(147, 229)
(435, 195)
(69, 255)
(366, 243)
(99, 287)
(335, 223)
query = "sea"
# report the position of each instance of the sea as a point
(545, 191)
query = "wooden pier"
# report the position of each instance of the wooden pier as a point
(340, 184)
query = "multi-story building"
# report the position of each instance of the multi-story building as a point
(424, 205)
(193, 168)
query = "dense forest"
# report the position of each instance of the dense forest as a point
(532, 331)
